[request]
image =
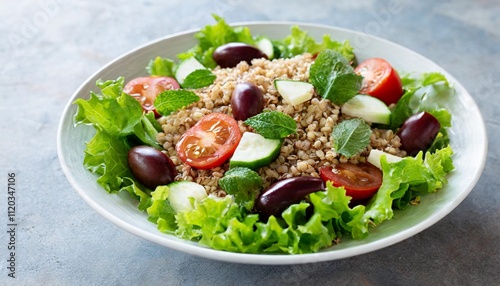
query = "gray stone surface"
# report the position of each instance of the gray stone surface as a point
(48, 48)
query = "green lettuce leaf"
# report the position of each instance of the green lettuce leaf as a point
(212, 36)
(427, 92)
(160, 212)
(107, 157)
(299, 42)
(161, 67)
(411, 173)
(120, 124)
(223, 224)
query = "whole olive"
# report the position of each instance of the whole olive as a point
(231, 54)
(418, 132)
(246, 101)
(283, 193)
(151, 167)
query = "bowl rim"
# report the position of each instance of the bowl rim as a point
(276, 259)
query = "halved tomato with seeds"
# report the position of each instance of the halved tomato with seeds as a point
(360, 180)
(146, 89)
(210, 142)
(380, 80)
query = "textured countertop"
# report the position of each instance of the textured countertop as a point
(48, 48)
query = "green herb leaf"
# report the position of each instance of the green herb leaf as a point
(172, 100)
(351, 136)
(198, 79)
(161, 67)
(272, 124)
(334, 78)
(244, 184)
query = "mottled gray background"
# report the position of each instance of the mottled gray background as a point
(48, 48)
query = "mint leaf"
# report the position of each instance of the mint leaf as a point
(334, 78)
(351, 136)
(172, 100)
(198, 79)
(272, 124)
(244, 184)
(161, 67)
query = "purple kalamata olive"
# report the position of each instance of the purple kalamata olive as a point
(286, 192)
(231, 54)
(246, 101)
(151, 167)
(418, 132)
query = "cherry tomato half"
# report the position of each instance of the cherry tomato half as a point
(380, 80)
(145, 89)
(360, 180)
(210, 142)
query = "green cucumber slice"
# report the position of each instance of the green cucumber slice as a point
(186, 67)
(367, 107)
(294, 92)
(375, 155)
(266, 46)
(180, 192)
(254, 151)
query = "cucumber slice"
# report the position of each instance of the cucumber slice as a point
(254, 151)
(375, 155)
(367, 107)
(186, 67)
(266, 46)
(294, 92)
(180, 193)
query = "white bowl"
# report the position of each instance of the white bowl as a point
(468, 140)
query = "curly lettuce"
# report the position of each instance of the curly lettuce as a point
(223, 224)
(120, 124)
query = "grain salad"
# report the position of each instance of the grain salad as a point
(301, 154)
(247, 144)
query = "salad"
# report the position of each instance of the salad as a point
(256, 145)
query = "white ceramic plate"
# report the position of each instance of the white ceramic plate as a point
(468, 140)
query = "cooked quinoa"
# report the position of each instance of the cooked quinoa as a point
(301, 154)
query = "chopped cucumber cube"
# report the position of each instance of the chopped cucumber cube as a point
(266, 46)
(186, 67)
(294, 92)
(254, 151)
(367, 107)
(375, 155)
(180, 193)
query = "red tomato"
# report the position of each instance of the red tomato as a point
(210, 142)
(380, 80)
(145, 89)
(360, 181)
